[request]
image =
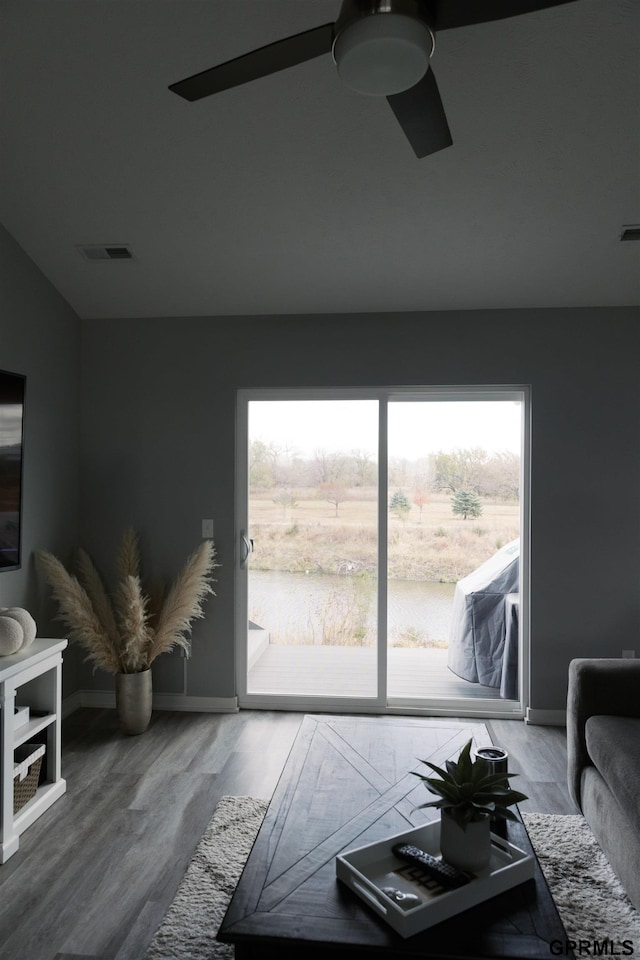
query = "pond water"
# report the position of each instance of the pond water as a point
(316, 608)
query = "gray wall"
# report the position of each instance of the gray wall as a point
(158, 448)
(40, 337)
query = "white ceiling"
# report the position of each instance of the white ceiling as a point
(294, 195)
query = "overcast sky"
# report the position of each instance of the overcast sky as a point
(415, 428)
(10, 424)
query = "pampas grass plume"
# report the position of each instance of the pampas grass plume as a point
(77, 612)
(131, 615)
(95, 589)
(129, 556)
(126, 632)
(184, 600)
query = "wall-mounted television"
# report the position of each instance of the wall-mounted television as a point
(12, 387)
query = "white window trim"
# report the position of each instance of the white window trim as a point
(480, 708)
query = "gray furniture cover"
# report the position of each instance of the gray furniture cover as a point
(509, 684)
(476, 639)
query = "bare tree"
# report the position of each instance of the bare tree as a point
(364, 468)
(287, 500)
(260, 466)
(398, 471)
(420, 498)
(334, 492)
(329, 467)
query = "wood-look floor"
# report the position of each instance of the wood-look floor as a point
(95, 875)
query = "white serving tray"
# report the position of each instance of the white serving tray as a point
(366, 870)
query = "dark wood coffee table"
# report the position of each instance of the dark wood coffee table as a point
(346, 783)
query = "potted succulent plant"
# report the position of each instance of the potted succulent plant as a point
(470, 794)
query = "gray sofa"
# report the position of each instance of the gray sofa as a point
(603, 747)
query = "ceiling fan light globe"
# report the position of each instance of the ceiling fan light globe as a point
(383, 53)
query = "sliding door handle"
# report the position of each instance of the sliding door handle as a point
(246, 545)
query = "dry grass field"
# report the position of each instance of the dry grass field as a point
(435, 546)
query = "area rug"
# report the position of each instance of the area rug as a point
(590, 899)
(188, 931)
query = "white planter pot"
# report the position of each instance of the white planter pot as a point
(469, 849)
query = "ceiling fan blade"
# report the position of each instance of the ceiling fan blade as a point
(259, 63)
(461, 13)
(420, 113)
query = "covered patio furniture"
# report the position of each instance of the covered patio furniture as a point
(478, 621)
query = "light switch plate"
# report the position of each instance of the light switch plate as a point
(207, 529)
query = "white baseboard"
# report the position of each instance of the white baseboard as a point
(178, 701)
(546, 718)
(106, 699)
(69, 704)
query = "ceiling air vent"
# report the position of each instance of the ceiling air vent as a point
(631, 232)
(112, 251)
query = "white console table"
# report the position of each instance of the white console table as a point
(33, 678)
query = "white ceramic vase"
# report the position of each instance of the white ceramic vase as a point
(469, 849)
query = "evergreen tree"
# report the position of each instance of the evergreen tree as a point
(466, 504)
(400, 504)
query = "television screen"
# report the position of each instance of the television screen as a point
(11, 425)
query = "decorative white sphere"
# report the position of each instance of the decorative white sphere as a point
(26, 621)
(11, 635)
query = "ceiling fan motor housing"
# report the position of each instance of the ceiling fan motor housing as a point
(382, 47)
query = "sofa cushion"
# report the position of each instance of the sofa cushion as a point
(613, 744)
(613, 831)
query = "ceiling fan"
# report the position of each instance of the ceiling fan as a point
(380, 48)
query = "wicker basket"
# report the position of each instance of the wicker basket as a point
(27, 760)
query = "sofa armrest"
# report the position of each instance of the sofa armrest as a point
(596, 687)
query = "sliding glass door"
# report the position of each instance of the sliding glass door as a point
(313, 523)
(376, 530)
(454, 505)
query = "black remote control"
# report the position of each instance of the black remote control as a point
(447, 876)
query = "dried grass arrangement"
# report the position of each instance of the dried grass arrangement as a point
(125, 632)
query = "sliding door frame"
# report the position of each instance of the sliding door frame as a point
(482, 708)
